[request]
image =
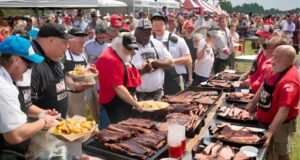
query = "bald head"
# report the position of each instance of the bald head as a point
(283, 57)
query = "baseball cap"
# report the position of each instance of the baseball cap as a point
(188, 25)
(159, 17)
(115, 20)
(19, 46)
(101, 30)
(54, 30)
(265, 31)
(129, 41)
(144, 24)
(77, 32)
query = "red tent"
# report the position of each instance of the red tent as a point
(199, 6)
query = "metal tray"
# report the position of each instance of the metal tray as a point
(225, 89)
(232, 100)
(96, 148)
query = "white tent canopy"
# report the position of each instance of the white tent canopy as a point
(60, 3)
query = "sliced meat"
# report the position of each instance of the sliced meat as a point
(207, 149)
(227, 153)
(134, 147)
(216, 149)
(226, 112)
(241, 156)
(203, 157)
(121, 128)
(178, 99)
(246, 116)
(231, 112)
(236, 112)
(139, 122)
(209, 93)
(106, 135)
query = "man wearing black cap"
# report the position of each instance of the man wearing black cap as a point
(47, 79)
(118, 79)
(75, 57)
(179, 51)
(151, 59)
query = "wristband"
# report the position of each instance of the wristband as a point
(45, 123)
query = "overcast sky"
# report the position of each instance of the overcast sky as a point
(267, 4)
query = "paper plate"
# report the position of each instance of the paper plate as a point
(151, 106)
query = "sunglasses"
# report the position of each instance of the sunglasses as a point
(29, 64)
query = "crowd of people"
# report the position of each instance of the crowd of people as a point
(138, 57)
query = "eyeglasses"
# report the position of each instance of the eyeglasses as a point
(28, 63)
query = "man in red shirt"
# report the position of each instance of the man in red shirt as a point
(252, 75)
(277, 101)
(118, 79)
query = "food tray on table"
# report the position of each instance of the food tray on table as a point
(230, 76)
(218, 150)
(95, 148)
(236, 135)
(235, 113)
(239, 97)
(134, 138)
(225, 85)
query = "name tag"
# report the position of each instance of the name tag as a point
(61, 96)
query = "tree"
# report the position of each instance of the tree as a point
(226, 5)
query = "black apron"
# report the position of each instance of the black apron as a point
(69, 65)
(117, 109)
(172, 79)
(265, 100)
(254, 65)
(55, 95)
(9, 151)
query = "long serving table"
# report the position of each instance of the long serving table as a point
(191, 142)
(211, 117)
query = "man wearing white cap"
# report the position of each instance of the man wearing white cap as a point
(151, 59)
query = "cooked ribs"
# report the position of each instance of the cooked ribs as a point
(241, 156)
(186, 120)
(131, 148)
(153, 140)
(242, 136)
(106, 135)
(138, 122)
(236, 113)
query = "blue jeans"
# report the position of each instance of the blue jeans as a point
(104, 119)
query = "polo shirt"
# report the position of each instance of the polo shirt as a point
(177, 50)
(286, 94)
(11, 116)
(111, 74)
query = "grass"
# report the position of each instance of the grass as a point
(295, 155)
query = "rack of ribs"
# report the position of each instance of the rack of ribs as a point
(138, 122)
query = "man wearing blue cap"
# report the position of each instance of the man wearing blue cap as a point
(16, 56)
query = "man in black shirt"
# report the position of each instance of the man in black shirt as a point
(47, 79)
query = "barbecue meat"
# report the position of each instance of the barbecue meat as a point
(118, 148)
(136, 148)
(241, 156)
(209, 93)
(144, 123)
(235, 113)
(242, 136)
(216, 149)
(106, 135)
(154, 140)
(163, 127)
(203, 157)
(226, 153)
(206, 100)
(178, 99)
(207, 149)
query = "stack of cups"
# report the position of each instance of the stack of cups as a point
(176, 140)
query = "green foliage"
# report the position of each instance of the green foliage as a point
(252, 7)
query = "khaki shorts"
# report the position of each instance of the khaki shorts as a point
(281, 141)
